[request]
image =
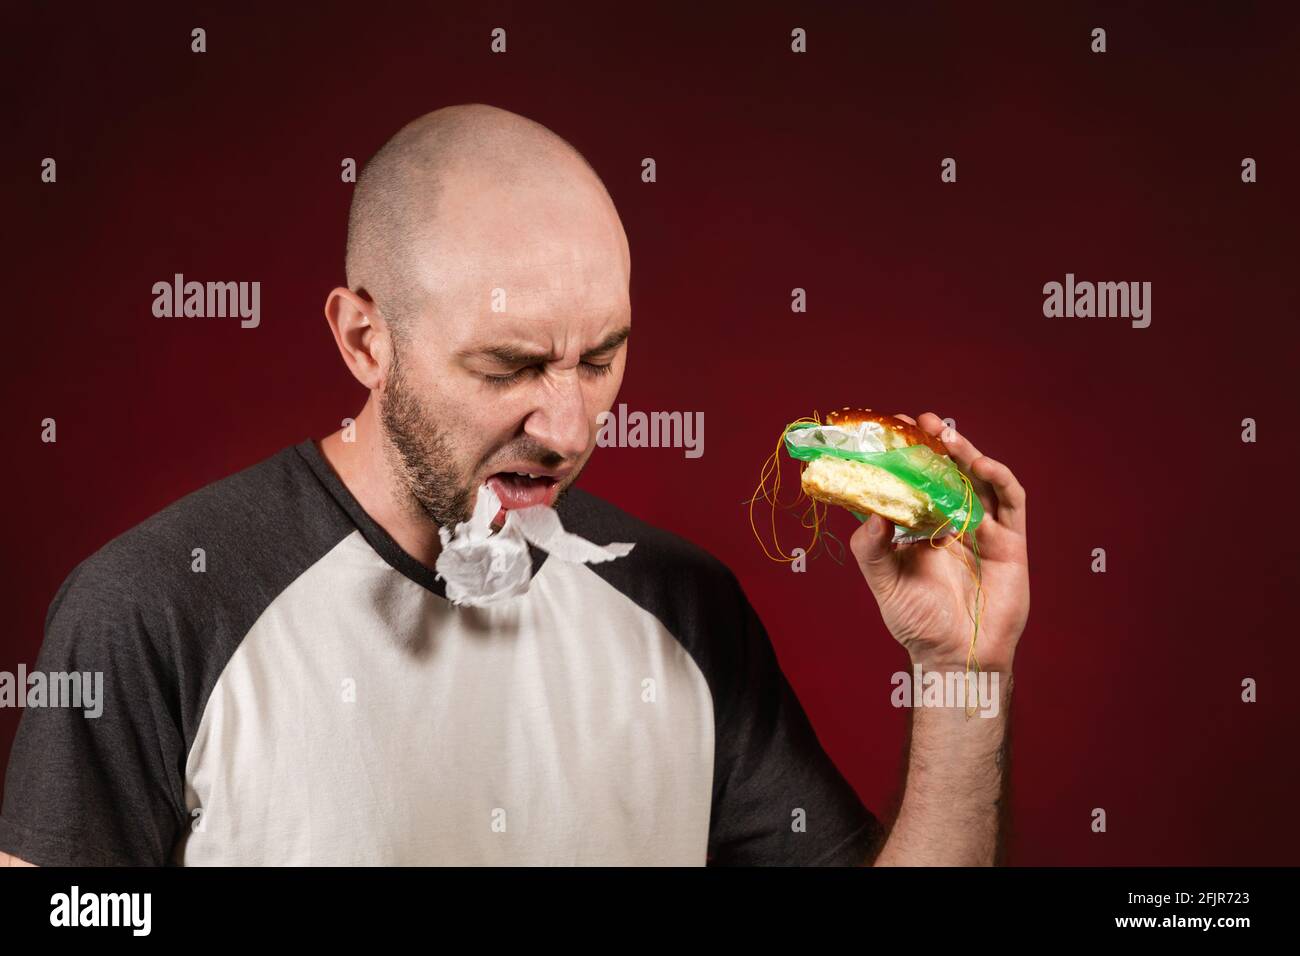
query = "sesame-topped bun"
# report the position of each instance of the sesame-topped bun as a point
(903, 433)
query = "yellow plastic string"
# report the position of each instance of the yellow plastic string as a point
(976, 573)
(771, 471)
(816, 513)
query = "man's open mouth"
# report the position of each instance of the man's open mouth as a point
(520, 491)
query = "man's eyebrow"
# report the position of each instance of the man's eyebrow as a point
(522, 355)
(611, 342)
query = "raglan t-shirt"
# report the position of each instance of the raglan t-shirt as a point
(284, 685)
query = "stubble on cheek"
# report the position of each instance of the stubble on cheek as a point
(422, 455)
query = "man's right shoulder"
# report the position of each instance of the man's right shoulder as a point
(232, 544)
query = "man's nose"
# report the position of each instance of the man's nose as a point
(560, 420)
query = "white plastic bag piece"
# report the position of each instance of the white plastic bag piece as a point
(541, 525)
(479, 567)
(866, 436)
(483, 568)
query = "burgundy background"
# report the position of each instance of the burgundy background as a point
(775, 171)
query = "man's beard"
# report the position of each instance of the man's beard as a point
(425, 462)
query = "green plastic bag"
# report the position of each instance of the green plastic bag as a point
(918, 465)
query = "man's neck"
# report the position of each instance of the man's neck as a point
(365, 470)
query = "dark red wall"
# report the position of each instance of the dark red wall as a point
(774, 171)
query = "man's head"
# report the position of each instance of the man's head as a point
(487, 302)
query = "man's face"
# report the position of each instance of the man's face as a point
(535, 271)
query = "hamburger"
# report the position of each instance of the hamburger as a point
(872, 463)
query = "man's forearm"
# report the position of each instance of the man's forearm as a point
(955, 794)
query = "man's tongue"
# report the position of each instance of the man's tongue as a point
(519, 491)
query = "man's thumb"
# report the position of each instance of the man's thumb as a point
(872, 546)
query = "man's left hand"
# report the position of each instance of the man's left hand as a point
(926, 595)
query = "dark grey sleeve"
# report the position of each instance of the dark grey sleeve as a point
(771, 766)
(107, 789)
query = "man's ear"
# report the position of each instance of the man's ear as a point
(360, 333)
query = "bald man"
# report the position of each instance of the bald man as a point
(312, 697)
